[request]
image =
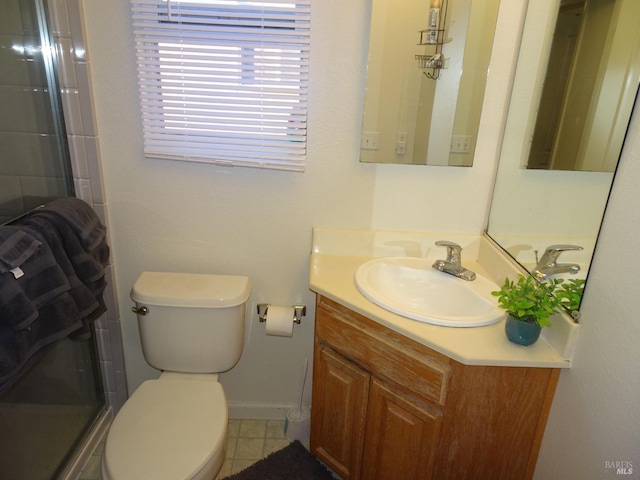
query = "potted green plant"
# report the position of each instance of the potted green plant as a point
(528, 304)
(569, 293)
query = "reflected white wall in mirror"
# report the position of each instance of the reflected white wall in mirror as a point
(408, 117)
(532, 209)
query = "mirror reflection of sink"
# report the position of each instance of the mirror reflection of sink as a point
(412, 288)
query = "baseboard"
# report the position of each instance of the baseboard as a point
(261, 411)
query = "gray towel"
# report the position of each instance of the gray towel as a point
(39, 282)
(80, 217)
(86, 298)
(52, 280)
(16, 247)
(18, 349)
(84, 242)
(36, 308)
(75, 232)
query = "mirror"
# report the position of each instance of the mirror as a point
(533, 208)
(586, 89)
(408, 113)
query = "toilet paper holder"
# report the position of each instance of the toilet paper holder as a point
(299, 311)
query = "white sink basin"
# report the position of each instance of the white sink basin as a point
(411, 287)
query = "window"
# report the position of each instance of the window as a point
(224, 81)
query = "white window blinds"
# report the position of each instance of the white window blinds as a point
(224, 81)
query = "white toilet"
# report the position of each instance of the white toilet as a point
(191, 327)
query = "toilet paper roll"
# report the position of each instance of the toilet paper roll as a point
(280, 321)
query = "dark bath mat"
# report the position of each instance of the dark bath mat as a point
(293, 462)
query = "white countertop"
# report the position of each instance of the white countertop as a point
(332, 275)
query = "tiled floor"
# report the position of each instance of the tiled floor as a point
(247, 442)
(251, 440)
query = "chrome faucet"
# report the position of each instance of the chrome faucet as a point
(453, 264)
(548, 263)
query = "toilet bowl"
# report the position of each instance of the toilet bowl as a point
(174, 427)
(184, 420)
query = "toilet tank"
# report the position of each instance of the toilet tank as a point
(191, 323)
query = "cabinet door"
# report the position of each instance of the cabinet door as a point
(339, 404)
(401, 436)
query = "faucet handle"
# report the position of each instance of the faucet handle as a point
(552, 252)
(447, 243)
(453, 250)
(562, 247)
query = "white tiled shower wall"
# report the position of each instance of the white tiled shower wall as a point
(74, 76)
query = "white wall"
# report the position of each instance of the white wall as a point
(595, 416)
(178, 216)
(167, 215)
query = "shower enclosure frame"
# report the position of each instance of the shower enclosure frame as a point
(72, 66)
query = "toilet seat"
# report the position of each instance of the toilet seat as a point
(169, 429)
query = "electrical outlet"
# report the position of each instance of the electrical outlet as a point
(401, 143)
(460, 144)
(370, 140)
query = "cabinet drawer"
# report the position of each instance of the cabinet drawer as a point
(408, 365)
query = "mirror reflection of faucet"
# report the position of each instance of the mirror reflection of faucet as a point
(547, 265)
(453, 264)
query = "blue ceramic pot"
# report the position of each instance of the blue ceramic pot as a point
(520, 332)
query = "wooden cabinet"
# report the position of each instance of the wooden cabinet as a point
(342, 391)
(385, 407)
(408, 432)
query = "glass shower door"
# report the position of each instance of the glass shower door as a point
(34, 156)
(47, 410)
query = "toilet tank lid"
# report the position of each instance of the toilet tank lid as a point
(190, 290)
